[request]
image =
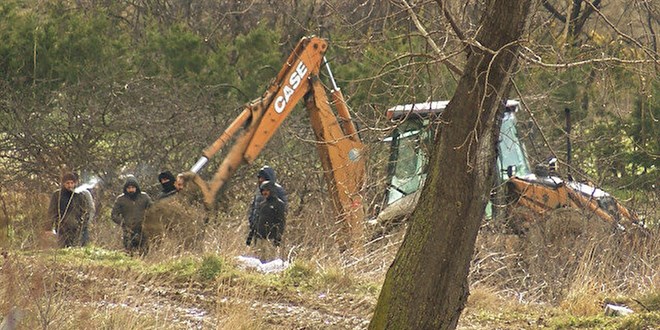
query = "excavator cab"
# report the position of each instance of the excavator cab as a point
(540, 190)
(410, 141)
(408, 158)
(512, 157)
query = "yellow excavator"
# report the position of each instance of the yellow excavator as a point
(539, 190)
(342, 152)
(338, 143)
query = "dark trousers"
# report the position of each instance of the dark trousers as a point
(133, 240)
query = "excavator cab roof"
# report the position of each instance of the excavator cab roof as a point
(432, 108)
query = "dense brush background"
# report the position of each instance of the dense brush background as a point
(112, 88)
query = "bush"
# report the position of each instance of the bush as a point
(210, 268)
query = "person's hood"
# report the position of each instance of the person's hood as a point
(268, 185)
(267, 173)
(132, 181)
(166, 175)
(169, 185)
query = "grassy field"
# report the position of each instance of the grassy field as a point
(555, 277)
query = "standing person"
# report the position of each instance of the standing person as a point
(90, 208)
(266, 173)
(90, 214)
(128, 212)
(270, 224)
(167, 181)
(67, 212)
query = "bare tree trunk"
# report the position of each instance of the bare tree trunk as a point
(426, 287)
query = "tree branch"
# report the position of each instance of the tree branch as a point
(451, 66)
(654, 41)
(580, 21)
(625, 36)
(452, 22)
(539, 61)
(553, 11)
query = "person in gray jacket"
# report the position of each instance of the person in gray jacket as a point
(91, 213)
(128, 212)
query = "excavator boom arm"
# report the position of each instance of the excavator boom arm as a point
(338, 143)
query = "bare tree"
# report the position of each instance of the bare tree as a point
(426, 287)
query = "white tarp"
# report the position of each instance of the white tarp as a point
(274, 266)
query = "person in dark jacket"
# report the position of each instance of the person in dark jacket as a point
(128, 212)
(266, 173)
(270, 222)
(167, 181)
(67, 212)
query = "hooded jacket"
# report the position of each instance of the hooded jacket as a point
(268, 174)
(168, 187)
(128, 210)
(271, 221)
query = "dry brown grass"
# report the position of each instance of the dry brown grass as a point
(239, 317)
(569, 260)
(520, 280)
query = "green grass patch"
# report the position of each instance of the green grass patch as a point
(210, 268)
(299, 274)
(568, 322)
(334, 277)
(184, 267)
(643, 321)
(651, 301)
(207, 268)
(504, 316)
(636, 321)
(89, 255)
(305, 276)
